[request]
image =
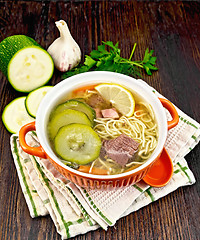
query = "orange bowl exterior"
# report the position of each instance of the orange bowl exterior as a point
(97, 183)
(93, 182)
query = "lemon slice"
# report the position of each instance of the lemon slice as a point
(120, 98)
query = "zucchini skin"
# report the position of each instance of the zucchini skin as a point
(11, 45)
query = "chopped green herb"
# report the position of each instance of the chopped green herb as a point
(107, 58)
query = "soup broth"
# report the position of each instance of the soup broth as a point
(88, 133)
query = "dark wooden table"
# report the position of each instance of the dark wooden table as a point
(172, 29)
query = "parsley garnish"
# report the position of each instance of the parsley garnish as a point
(107, 58)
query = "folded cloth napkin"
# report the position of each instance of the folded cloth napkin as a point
(75, 210)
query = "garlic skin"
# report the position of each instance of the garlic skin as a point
(64, 50)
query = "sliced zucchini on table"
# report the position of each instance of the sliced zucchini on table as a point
(79, 106)
(77, 143)
(34, 99)
(66, 117)
(25, 63)
(15, 115)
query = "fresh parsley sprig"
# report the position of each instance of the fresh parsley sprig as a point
(107, 58)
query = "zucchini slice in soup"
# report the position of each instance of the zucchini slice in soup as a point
(66, 117)
(79, 106)
(77, 143)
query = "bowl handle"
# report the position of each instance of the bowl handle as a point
(36, 151)
(172, 110)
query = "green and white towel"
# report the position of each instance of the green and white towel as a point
(75, 210)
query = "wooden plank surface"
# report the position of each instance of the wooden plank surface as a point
(172, 29)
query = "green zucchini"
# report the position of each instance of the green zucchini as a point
(77, 143)
(79, 106)
(15, 115)
(34, 98)
(66, 117)
(25, 63)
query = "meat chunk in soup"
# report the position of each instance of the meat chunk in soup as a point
(110, 113)
(96, 101)
(98, 113)
(121, 149)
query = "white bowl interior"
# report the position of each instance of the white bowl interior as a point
(58, 93)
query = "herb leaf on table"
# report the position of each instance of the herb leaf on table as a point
(107, 58)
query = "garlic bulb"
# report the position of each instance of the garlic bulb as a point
(64, 50)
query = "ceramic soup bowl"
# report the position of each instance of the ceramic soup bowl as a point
(58, 94)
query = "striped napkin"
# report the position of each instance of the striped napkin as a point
(75, 210)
